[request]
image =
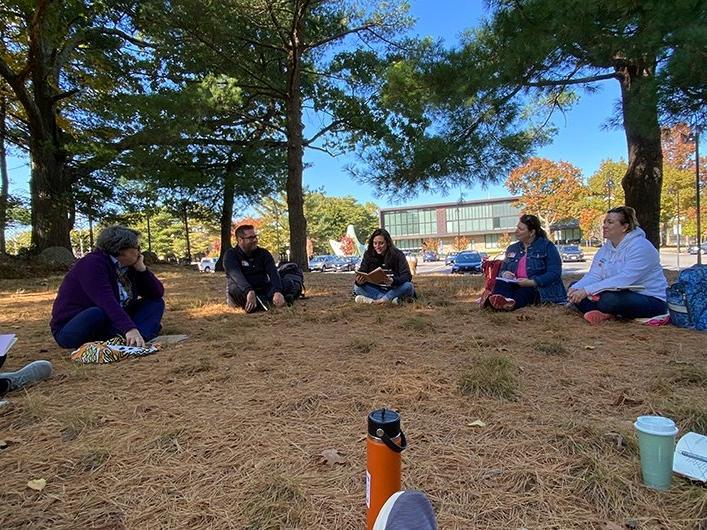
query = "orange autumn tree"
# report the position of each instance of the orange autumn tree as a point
(460, 243)
(679, 179)
(551, 190)
(430, 244)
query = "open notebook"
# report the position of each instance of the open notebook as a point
(690, 458)
(6, 342)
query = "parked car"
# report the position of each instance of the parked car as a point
(571, 253)
(207, 264)
(693, 249)
(449, 260)
(322, 263)
(467, 261)
(429, 255)
(347, 263)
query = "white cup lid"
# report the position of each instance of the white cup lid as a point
(657, 425)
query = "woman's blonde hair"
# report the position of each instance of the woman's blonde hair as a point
(628, 216)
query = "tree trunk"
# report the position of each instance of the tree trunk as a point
(149, 233)
(186, 232)
(643, 180)
(51, 197)
(295, 152)
(229, 189)
(50, 183)
(90, 222)
(4, 180)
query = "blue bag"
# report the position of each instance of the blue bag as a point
(687, 298)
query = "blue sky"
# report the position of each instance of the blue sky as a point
(583, 138)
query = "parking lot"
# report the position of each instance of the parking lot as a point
(669, 259)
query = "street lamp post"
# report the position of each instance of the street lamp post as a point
(697, 196)
(695, 137)
(676, 190)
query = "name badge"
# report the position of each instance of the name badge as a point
(511, 254)
(245, 263)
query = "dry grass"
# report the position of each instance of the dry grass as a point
(225, 430)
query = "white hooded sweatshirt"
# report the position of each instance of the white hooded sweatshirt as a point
(635, 261)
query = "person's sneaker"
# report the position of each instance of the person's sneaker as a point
(360, 299)
(395, 301)
(4, 386)
(406, 510)
(597, 317)
(501, 303)
(30, 374)
(658, 320)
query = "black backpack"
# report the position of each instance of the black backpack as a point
(292, 279)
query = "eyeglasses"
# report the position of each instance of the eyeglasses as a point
(251, 238)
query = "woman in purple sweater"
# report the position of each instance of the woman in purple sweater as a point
(109, 292)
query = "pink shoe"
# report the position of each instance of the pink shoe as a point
(501, 303)
(597, 317)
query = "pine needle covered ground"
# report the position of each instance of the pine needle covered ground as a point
(227, 429)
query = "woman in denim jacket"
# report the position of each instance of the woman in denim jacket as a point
(531, 272)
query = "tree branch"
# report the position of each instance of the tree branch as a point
(338, 36)
(577, 81)
(322, 132)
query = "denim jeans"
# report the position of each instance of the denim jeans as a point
(522, 295)
(404, 290)
(93, 324)
(627, 304)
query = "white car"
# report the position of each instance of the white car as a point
(208, 264)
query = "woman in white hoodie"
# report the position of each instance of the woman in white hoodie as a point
(626, 278)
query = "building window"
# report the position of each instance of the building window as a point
(491, 240)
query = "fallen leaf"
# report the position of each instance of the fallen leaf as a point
(476, 423)
(590, 348)
(632, 524)
(609, 525)
(615, 438)
(625, 400)
(37, 484)
(522, 317)
(502, 348)
(331, 457)
(3, 444)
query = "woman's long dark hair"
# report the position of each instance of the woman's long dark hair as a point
(389, 243)
(533, 223)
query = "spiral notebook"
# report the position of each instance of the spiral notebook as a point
(690, 458)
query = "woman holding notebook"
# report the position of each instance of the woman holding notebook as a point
(626, 278)
(384, 274)
(531, 272)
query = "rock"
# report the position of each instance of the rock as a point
(150, 258)
(56, 256)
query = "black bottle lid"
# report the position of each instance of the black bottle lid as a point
(384, 421)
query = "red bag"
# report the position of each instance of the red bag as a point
(490, 269)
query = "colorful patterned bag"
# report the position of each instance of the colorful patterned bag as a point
(110, 351)
(687, 298)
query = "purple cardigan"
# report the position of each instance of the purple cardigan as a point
(93, 281)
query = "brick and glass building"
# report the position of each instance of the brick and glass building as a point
(483, 223)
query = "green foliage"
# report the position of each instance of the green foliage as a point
(604, 190)
(437, 121)
(327, 220)
(167, 234)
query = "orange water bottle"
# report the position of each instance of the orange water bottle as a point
(384, 443)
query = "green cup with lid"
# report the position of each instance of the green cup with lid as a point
(656, 440)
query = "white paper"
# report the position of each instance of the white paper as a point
(6, 342)
(690, 457)
(507, 280)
